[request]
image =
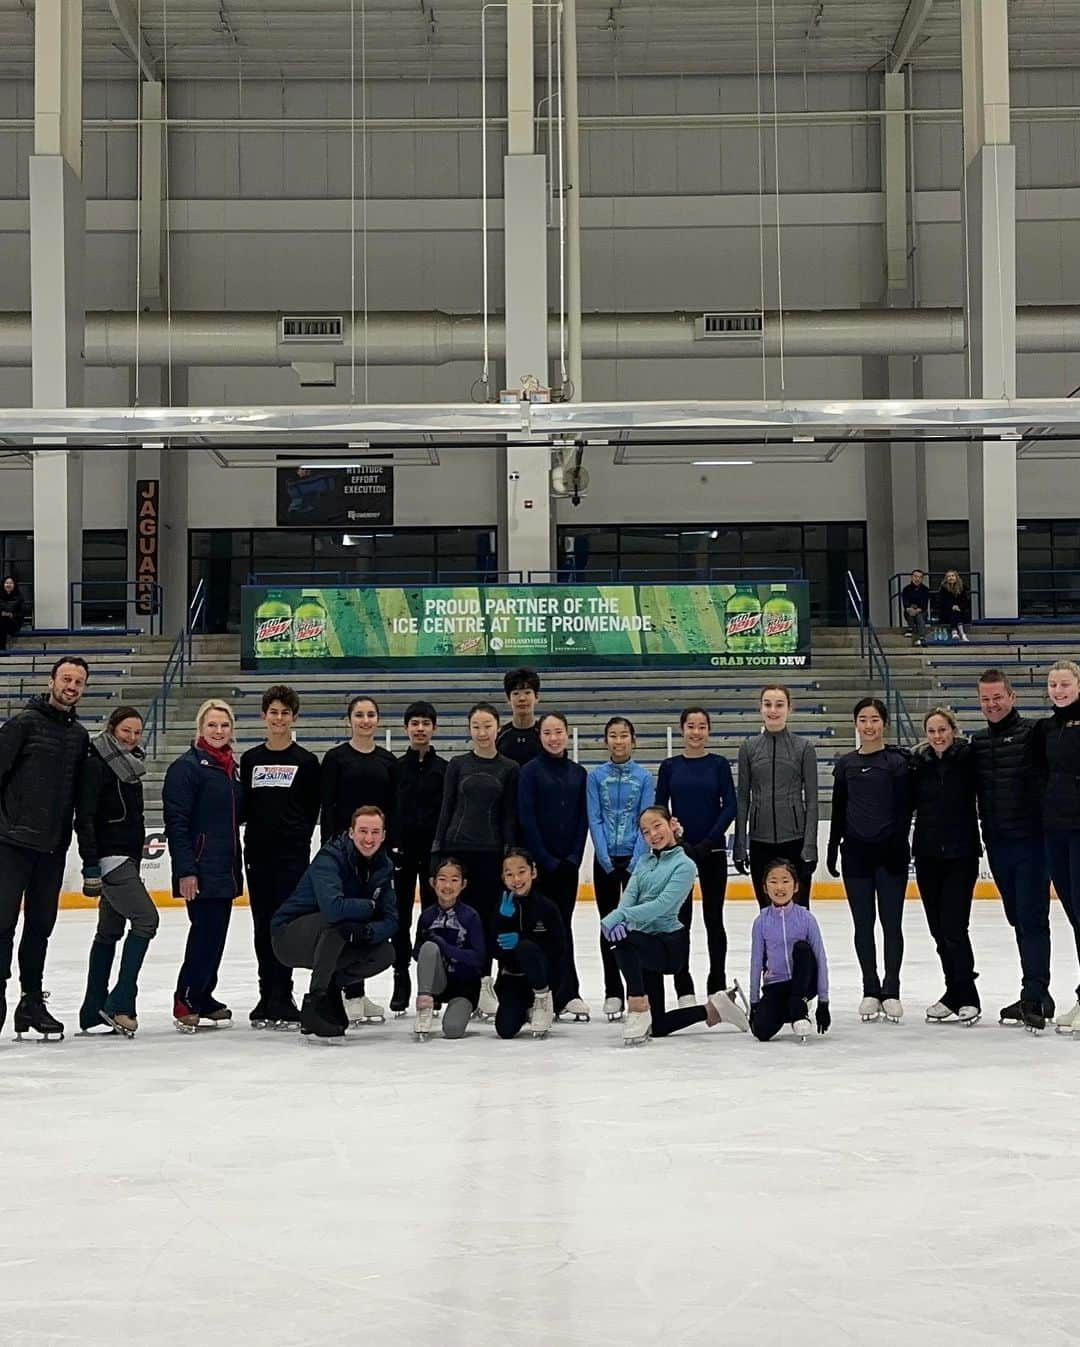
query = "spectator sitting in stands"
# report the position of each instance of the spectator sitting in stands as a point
(954, 605)
(915, 598)
(12, 610)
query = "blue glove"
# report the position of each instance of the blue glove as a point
(507, 907)
(92, 882)
(508, 940)
(618, 932)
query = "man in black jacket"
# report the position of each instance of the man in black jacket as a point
(42, 752)
(915, 598)
(420, 792)
(1009, 773)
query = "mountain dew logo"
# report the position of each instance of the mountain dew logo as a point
(273, 629)
(739, 624)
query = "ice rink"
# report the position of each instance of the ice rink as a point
(909, 1184)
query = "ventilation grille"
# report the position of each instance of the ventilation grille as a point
(311, 329)
(732, 325)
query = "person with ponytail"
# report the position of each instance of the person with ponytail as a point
(111, 827)
(201, 801)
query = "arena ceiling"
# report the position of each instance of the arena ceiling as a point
(310, 39)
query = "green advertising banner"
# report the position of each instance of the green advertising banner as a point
(762, 626)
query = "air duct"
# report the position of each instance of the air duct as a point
(436, 338)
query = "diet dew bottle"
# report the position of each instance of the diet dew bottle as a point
(273, 628)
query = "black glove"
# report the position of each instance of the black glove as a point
(739, 862)
(824, 1019)
(832, 860)
(701, 851)
(753, 1013)
(362, 934)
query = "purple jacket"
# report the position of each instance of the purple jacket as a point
(776, 930)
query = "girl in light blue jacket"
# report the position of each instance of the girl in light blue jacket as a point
(650, 940)
(616, 793)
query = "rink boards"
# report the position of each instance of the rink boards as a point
(156, 876)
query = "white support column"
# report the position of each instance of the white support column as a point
(989, 214)
(57, 246)
(573, 198)
(527, 519)
(895, 473)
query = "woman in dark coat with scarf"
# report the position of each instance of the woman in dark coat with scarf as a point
(12, 610)
(201, 802)
(111, 826)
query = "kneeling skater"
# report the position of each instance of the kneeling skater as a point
(650, 940)
(787, 960)
(340, 921)
(531, 950)
(449, 953)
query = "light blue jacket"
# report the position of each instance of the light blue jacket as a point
(657, 889)
(616, 795)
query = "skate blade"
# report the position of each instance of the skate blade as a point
(330, 1041)
(636, 1042)
(400, 1014)
(116, 1028)
(1060, 1028)
(285, 1026)
(871, 1019)
(421, 1036)
(366, 1019)
(616, 1019)
(50, 1037)
(564, 1018)
(968, 1023)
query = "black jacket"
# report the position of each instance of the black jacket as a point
(109, 818)
(871, 803)
(534, 918)
(13, 609)
(1059, 735)
(946, 822)
(953, 608)
(1008, 778)
(915, 596)
(42, 755)
(201, 804)
(420, 795)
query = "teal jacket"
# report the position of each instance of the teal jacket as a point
(657, 889)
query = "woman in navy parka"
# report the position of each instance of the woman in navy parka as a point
(201, 802)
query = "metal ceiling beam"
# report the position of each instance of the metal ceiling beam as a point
(918, 11)
(127, 20)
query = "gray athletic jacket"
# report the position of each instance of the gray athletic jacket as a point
(777, 792)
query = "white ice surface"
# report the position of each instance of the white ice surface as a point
(888, 1185)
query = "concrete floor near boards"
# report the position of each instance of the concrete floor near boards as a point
(909, 1184)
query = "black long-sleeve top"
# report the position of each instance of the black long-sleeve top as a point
(871, 802)
(420, 793)
(479, 808)
(282, 799)
(351, 778)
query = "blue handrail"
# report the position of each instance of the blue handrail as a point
(877, 664)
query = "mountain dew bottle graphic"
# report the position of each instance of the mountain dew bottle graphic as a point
(780, 623)
(742, 622)
(309, 628)
(273, 628)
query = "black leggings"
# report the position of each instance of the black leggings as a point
(761, 853)
(712, 876)
(947, 888)
(609, 889)
(523, 971)
(561, 886)
(413, 870)
(483, 890)
(644, 959)
(785, 1002)
(878, 893)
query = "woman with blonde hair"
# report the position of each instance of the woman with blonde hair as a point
(954, 605)
(947, 849)
(201, 802)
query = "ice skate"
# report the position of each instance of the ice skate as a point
(319, 1022)
(1032, 1017)
(637, 1027)
(216, 1016)
(1010, 1015)
(969, 1015)
(284, 1016)
(185, 1019)
(613, 1008)
(802, 1029)
(736, 993)
(575, 1010)
(729, 1010)
(1068, 1022)
(938, 1013)
(399, 1001)
(543, 1014)
(259, 1017)
(687, 1002)
(425, 1018)
(870, 1009)
(892, 1008)
(363, 1010)
(488, 1005)
(31, 1013)
(121, 1024)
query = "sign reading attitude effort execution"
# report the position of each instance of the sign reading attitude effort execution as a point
(709, 625)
